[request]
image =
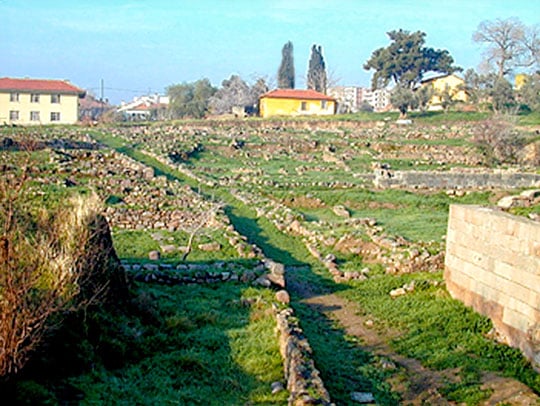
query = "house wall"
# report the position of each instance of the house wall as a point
(493, 265)
(68, 108)
(293, 107)
(453, 82)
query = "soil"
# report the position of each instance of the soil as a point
(416, 384)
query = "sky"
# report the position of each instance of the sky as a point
(140, 47)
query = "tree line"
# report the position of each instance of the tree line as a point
(509, 46)
(199, 98)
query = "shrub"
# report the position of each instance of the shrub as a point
(498, 140)
(44, 263)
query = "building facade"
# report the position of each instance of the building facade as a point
(144, 108)
(451, 83)
(293, 102)
(38, 101)
(351, 99)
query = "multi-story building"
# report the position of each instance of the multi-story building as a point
(379, 99)
(38, 101)
(352, 98)
(346, 96)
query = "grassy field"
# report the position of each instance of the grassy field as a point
(216, 345)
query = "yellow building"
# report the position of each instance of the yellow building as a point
(37, 101)
(520, 80)
(450, 83)
(292, 102)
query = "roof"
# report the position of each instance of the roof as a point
(296, 94)
(437, 77)
(39, 85)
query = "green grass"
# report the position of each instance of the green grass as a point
(134, 245)
(440, 331)
(415, 216)
(180, 345)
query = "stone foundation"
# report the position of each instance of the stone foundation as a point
(493, 265)
(455, 179)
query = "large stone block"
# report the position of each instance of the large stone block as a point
(493, 264)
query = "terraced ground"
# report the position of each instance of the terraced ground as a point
(302, 192)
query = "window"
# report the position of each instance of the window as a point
(303, 106)
(14, 97)
(323, 104)
(34, 116)
(34, 98)
(13, 115)
(55, 116)
(55, 98)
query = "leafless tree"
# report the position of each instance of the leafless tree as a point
(510, 44)
(203, 222)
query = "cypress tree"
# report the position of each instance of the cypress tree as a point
(316, 77)
(286, 69)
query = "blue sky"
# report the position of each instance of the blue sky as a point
(142, 46)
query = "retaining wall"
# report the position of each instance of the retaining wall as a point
(493, 264)
(462, 179)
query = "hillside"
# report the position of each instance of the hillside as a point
(198, 208)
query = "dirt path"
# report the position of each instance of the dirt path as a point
(416, 384)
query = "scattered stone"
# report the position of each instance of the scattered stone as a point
(148, 173)
(387, 364)
(508, 202)
(247, 276)
(154, 255)
(262, 281)
(168, 248)
(209, 247)
(282, 296)
(276, 387)
(362, 397)
(341, 211)
(530, 194)
(369, 323)
(398, 292)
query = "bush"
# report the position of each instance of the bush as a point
(46, 261)
(498, 140)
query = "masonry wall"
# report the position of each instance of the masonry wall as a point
(454, 179)
(493, 265)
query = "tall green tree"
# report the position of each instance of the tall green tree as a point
(190, 99)
(406, 60)
(403, 99)
(286, 69)
(316, 76)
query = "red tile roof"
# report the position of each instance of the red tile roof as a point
(39, 85)
(296, 94)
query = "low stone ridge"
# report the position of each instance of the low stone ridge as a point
(303, 379)
(455, 178)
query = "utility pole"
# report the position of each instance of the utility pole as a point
(101, 99)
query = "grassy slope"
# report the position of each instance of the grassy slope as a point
(202, 347)
(417, 324)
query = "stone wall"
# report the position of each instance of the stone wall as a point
(455, 179)
(493, 264)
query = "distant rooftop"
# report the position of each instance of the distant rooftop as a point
(296, 94)
(39, 85)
